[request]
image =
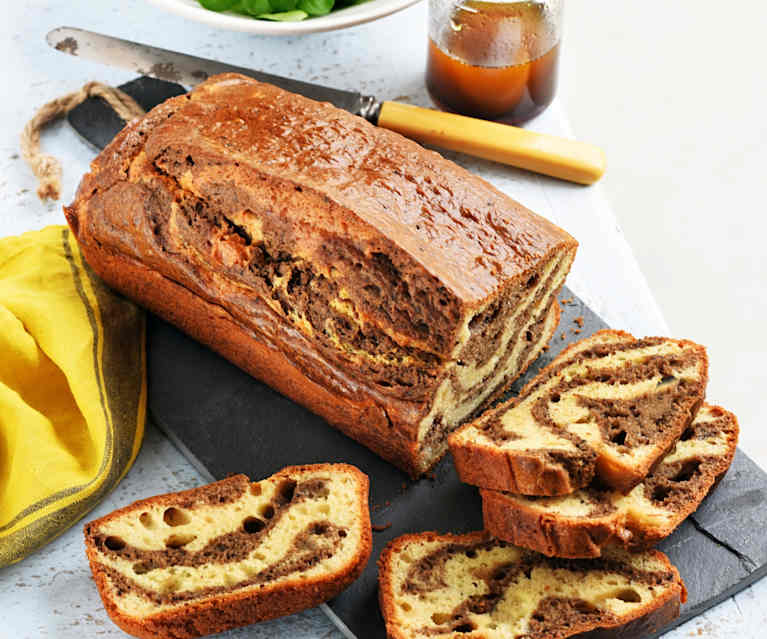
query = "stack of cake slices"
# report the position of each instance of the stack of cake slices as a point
(603, 454)
(610, 445)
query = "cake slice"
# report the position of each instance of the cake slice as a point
(231, 553)
(583, 523)
(434, 586)
(610, 405)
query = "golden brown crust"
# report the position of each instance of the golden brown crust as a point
(518, 523)
(548, 535)
(532, 474)
(645, 620)
(521, 474)
(222, 612)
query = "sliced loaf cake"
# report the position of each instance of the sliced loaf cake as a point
(610, 405)
(376, 283)
(231, 553)
(583, 523)
(435, 587)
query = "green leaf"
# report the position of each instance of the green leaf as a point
(316, 7)
(256, 7)
(285, 16)
(281, 6)
(218, 5)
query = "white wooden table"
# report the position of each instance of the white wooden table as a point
(50, 594)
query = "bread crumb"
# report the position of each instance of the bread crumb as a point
(381, 527)
(579, 321)
(566, 301)
(563, 336)
(577, 331)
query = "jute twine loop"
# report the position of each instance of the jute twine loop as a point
(46, 167)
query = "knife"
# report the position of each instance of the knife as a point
(539, 152)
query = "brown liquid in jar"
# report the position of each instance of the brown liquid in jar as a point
(497, 61)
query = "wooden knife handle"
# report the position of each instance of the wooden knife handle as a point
(547, 154)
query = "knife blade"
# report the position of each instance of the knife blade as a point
(190, 70)
(558, 157)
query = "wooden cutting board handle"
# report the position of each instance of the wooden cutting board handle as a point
(547, 154)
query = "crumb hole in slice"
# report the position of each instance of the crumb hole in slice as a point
(629, 595)
(140, 568)
(406, 606)
(267, 511)
(660, 493)
(286, 490)
(471, 553)
(253, 525)
(555, 398)
(175, 517)
(320, 529)
(146, 520)
(666, 380)
(527, 571)
(688, 434)
(464, 627)
(619, 438)
(114, 543)
(688, 470)
(342, 533)
(179, 541)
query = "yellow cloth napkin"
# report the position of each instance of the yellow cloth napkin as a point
(72, 388)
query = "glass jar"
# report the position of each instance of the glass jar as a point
(492, 59)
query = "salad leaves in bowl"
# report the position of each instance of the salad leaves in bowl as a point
(285, 17)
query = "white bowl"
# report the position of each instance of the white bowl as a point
(347, 17)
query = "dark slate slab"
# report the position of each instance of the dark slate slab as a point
(226, 422)
(97, 122)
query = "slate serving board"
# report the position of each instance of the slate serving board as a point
(226, 422)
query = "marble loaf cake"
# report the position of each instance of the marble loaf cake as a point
(231, 553)
(449, 586)
(587, 521)
(371, 280)
(610, 406)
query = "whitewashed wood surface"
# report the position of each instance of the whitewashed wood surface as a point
(50, 594)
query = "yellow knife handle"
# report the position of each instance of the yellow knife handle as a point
(547, 154)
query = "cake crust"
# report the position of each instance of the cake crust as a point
(218, 612)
